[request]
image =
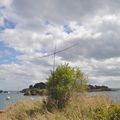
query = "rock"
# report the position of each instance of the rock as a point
(1, 91)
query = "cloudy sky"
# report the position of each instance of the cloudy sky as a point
(30, 29)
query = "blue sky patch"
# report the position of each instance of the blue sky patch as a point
(8, 24)
(8, 55)
(68, 29)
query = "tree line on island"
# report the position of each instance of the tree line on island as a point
(37, 89)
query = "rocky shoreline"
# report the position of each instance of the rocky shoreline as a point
(96, 88)
(37, 89)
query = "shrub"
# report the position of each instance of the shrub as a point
(114, 112)
(110, 113)
(61, 84)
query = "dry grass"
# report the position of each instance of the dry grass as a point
(24, 110)
(79, 108)
(3, 115)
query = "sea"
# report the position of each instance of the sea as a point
(15, 96)
(7, 99)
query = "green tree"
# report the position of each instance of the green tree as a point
(31, 86)
(80, 81)
(61, 84)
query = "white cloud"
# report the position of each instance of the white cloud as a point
(40, 25)
(6, 3)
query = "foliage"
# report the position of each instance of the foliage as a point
(62, 82)
(110, 113)
(35, 91)
(80, 81)
(31, 86)
(40, 85)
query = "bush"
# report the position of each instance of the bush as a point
(114, 112)
(61, 83)
(110, 113)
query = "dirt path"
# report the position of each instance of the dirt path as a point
(3, 115)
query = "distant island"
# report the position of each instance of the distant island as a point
(96, 88)
(37, 89)
(1, 91)
(40, 89)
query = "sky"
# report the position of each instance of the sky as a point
(30, 29)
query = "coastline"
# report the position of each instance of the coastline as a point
(31, 102)
(36, 105)
(34, 108)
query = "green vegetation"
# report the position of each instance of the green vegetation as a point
(107, 113)
(40, 89)
(65, 78)
(65, 100)
(62, 83)
(35, 91)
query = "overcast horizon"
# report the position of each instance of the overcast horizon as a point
(30, 29)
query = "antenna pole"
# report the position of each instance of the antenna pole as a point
(54, 66)
(54, 59)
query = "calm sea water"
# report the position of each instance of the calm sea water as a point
(113, 95)
(16, 96)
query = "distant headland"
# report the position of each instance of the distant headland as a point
(40, 89)
(1, 91)
(97, 88)
(37, 89)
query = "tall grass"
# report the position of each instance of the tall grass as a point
(80, 107)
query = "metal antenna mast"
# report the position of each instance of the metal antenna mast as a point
(54, 58)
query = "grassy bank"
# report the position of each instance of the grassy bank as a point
(79, 108)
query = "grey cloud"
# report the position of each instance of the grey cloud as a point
(113, 83)
(17, 77)
(107, 72)
(90, 54)
(64, 10)
(98, 49)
